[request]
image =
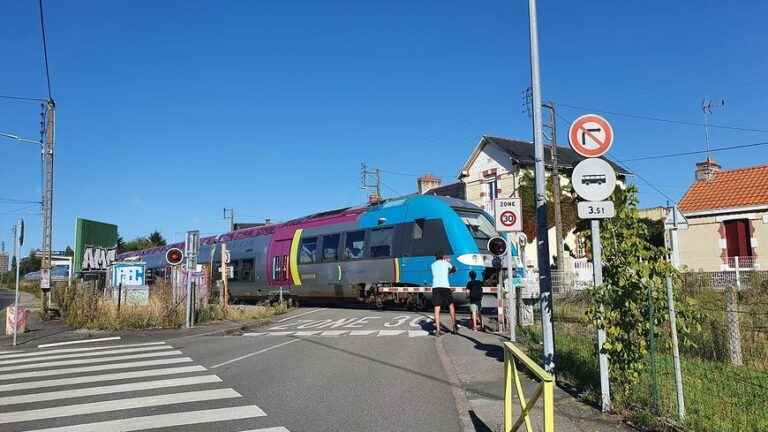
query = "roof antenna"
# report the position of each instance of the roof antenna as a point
(706, 106)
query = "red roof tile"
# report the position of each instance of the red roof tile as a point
(728, 189)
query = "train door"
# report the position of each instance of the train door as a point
(278, 273)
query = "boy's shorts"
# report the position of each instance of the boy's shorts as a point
(474, 307)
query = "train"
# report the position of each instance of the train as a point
(376, 253)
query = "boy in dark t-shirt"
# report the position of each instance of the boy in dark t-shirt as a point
(475, 288)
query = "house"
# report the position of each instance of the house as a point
(494, 169)
(727, 213)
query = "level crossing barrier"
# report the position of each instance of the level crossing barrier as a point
(513, 357)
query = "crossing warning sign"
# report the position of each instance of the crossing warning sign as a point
(509, 214)
(590, 135)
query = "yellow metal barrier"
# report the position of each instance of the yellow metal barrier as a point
(512, 356)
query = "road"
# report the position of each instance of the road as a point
(316, 369)
(6, 298)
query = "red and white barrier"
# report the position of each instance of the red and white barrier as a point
(486, 290)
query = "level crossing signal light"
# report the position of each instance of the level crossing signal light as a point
(497, 246)
(174, 256)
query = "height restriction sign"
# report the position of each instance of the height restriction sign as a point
(590, 135)
(509, 214)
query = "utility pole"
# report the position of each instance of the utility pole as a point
(231, 218)
(556, 188)
(365, 174)
(191, 246)
(47, 156)
(542, 236)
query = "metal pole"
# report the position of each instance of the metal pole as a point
(191, 247)
(542, 236)
(652, 347)
(511, 293)
(556, 190)
(16, 252)
(675, 351)
(597, 262)
(45, 265)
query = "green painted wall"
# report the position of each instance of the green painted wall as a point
(92, 234)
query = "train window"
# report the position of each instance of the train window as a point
(308, 250)
(418, 229)
(381, 242)
(331, 247)
(433, 239)
(479, 226)
(245, 271)
(353, 245)
(284, 269)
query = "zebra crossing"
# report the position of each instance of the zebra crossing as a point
(337, 333)
(118, 388)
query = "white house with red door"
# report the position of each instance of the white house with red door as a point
(727, 213)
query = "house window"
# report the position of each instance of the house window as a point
(491, 189)
(737, 238)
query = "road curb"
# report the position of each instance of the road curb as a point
(459, 395)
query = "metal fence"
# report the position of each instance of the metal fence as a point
(724, 358)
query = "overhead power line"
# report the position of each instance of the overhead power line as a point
(690, 153)
(45, 50)
(663, 120)
(22, 99)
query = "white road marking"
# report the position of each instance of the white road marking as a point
(119, 404)
(280, 333)
(118, 388)
(112, 366)
(79, 341)
(85, 354)
(100, 378)
(253, 334)
(69, 350)
(299, 315)
(306, 333)
(390, 332)
(416, 333)
(362, 332)
(89, 360)
(164, 420)
(254, 353)
(272, 429)
(333, 332)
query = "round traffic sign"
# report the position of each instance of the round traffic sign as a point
(593, 179)
(508, 218)
(497, 246)
(174, 256)
(590, 135)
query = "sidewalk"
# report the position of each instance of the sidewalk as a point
(478, 362)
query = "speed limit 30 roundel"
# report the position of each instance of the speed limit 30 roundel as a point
(590, 135)
(508, 218)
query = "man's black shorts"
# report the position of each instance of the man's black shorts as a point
(442, 297)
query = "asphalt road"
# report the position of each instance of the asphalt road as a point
(313, 370)
(6, 298)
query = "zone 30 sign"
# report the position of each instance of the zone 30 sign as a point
(509, 214)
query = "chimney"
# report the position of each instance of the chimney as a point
(427, 182)
(706, 170)
(374, 199)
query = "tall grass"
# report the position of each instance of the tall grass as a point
(85, 306)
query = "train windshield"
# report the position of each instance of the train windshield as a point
(479, 226)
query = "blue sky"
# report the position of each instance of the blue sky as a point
(170, 111)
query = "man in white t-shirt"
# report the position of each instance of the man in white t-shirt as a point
(442, 294)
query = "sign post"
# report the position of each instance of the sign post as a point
(18, 242)
(509, 219)
(674, 221)
(224, 279)
(191, 246)
(594, 180)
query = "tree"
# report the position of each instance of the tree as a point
(568, 212)
(69, 252)
(156, 239)
(31, 263)
(632, 267)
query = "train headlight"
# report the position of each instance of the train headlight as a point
(497, 246)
